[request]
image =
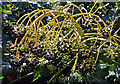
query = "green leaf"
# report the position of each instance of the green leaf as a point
(102, 62)
(111, 68)
(8, 5)
(1, 77)
(36, 78)
(117, 4)
(49, 15)
(53, 3)
(14, 20)
(0, 8)
(6, 12)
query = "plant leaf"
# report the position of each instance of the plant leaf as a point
(36, 78)
(111, 68)
(1, 77)
(102, 62)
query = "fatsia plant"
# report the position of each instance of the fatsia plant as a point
(63, 39)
